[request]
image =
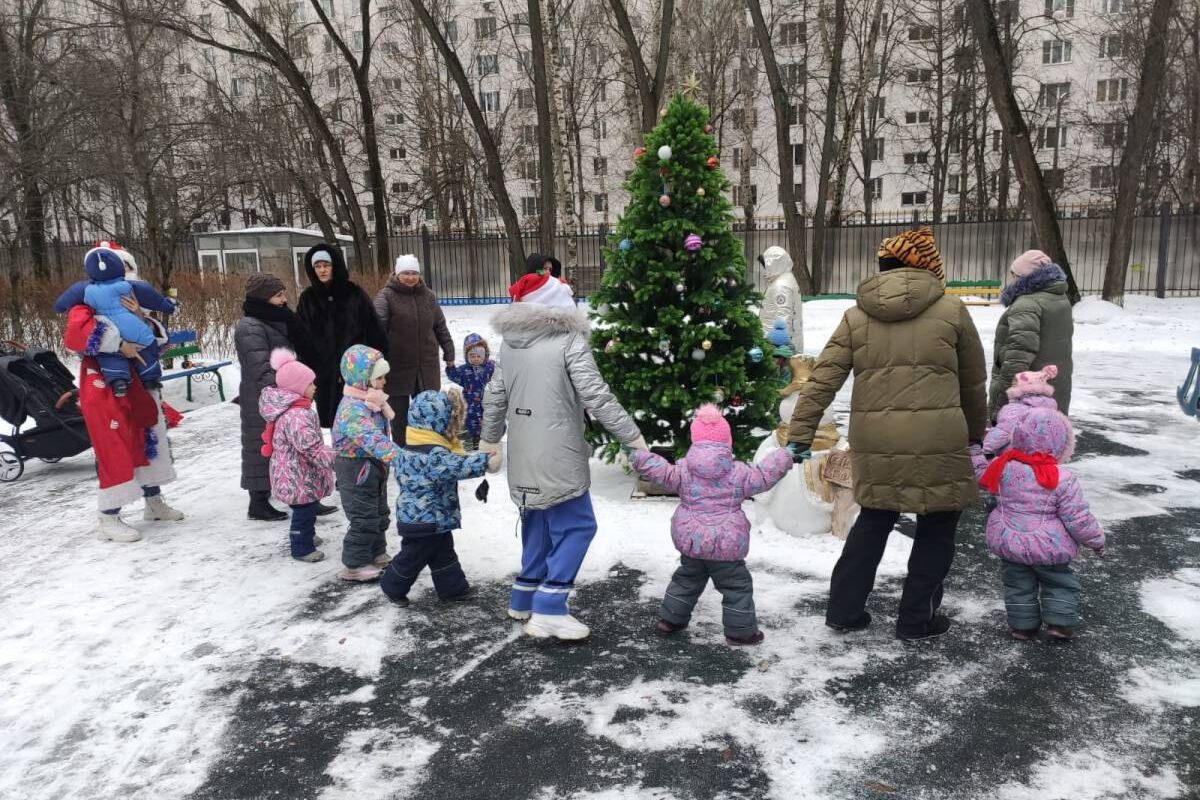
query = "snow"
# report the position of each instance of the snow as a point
(124, 666)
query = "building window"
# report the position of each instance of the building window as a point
(1110, 134)
(237, 87)
(1103, 177)
(795, 114)
(920, 33)
(1053, 95)
(920, 157)
(1112, 45)
(793, 74)
(1056, 51)
(600, 203)
(489, 102)
(333, 78)
(450, 31)
(520, 23)
(529, 170)
(740, 195)
(1112, 90)
(531, 206)
(997, 140)
(399, 187)
(525, 99)
(599, 166)
(529, 135)
(742, 158)
(874, 149)
(488, 209)
(486, 65)
(358, 41)
(915, 76)
(184, 68)
(877, 107)
(327, 7)
(1113, 7)
(875, 189)
(401, 220)
(916, 117)
(599, 129)
(793, 33)
(1050, 137)
(1060, 9)
(485, 28)
(797, 155)
(914, 198)
(738, 117)
(397, 153)
(1054, 179)
(393, 119)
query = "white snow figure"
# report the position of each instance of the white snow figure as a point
(782, 297)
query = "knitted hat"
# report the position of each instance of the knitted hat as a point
(322, 255)
(103, 263)
(407, 263)
(544, 290)
(290, 374)
(1027, 384)
(1027, 262)
(263, 285)
(914, 249)
(474, 341)
(709, 425)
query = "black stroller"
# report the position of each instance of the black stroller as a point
(34, 385)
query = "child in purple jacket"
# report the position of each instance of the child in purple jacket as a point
(301, 462)
(709, 528)
(1030, 390)
(1038, 525)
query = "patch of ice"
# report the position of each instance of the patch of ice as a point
(377, 763)
(1175, 601)
(1090, 775)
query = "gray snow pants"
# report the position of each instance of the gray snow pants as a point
(1059, 595)
(362, 485)
(732, 580)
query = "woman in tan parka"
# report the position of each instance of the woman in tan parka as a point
(919, 400)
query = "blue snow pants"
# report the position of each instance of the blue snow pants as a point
(555, 541)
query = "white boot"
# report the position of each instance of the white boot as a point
(113, 529)
(157, 510)
(557, 626)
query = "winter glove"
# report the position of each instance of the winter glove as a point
(481, 491)
(495, 457)
(799, 456)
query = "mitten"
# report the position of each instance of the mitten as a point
(799, 456)
(481, 491)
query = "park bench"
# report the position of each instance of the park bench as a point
(183, 345)
(981, 293)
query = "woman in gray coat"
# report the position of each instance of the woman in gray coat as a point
(545, 380)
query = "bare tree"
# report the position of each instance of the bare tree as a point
(651, 89)
(541, 96)
(829, 145)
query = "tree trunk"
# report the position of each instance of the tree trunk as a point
(1016, 134)
(546, 128)
(649, 87)
(781, 109)
(1137, 140)
(828, 143)
(559, 120)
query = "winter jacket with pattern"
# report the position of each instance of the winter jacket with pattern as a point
(919, 393)
(254, 340)
(416, 330)
(474, 381)
(1035, 330)
(428, 474)
(1000, 436)
(545, 378)
(301, 464)
(1032, 524)
(359, 432)
(709, 522)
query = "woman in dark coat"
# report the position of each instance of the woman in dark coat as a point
(338, 314)
(416, 329)
(268, 324)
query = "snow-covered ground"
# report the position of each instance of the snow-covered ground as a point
(202, 662)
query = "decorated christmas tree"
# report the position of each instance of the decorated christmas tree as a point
(676, 323)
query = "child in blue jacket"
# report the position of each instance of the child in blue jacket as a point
(427, 511)
(473, 377)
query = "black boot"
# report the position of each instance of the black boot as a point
(936, 627)
(262, 510)
(324, 510)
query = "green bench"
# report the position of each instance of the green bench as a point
(183, 346)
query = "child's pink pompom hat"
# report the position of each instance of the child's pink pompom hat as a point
(1027, 384)
(290, 374)
(709, 425)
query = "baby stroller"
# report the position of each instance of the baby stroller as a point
(1189, 393)
(35, 386)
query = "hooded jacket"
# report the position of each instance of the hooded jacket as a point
(337, 314)
(301, 464)
(428, 473)
(709, 523)
(782, 299)
(255, 337)
(1035, 330)
(416, 330)
(473, 380)
(919, 393)
(1032, 524)
(358, 431)
(545, 378)
(1000, 436)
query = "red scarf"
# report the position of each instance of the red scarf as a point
(269, 433)
(1045, 469)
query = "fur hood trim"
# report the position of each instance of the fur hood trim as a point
(1041, 278)
(533, 319)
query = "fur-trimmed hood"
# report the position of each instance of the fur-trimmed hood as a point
(522, 323)
(1040, 279)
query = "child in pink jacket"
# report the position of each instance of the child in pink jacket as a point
(709, 528)
(1030, 390)
(301, 462)
(1038, 525)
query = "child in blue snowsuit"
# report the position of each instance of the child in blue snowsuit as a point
(473, 377)
(102, 293)
(427, 512)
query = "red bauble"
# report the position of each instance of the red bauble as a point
(664, 172)
(712, 162)
(708, 129)
(638, 152)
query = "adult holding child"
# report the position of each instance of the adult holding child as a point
(919, 400)
(416, 332)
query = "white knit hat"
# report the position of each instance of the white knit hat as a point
(407, 263)
(322, 255)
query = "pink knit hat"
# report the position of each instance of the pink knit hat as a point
(1026, 384)
(290, 374)
(709, 425)
(1028, 261)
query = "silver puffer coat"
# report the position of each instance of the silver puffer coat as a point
(545, 378)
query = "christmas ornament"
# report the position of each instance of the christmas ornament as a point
(693, 243)
(679, 287)
(625, 246)
(700, 191)
(706, 344)
(718, 395)
(638, 152)
(699, 355)
(665, 345)
(662, 113)
(756, 354)
(664, 200)
(712, 162)
(664, 153)
(612, 345)
(708, 129)
(664, 172)
(690, 87)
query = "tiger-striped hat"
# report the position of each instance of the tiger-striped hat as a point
(914, 249)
